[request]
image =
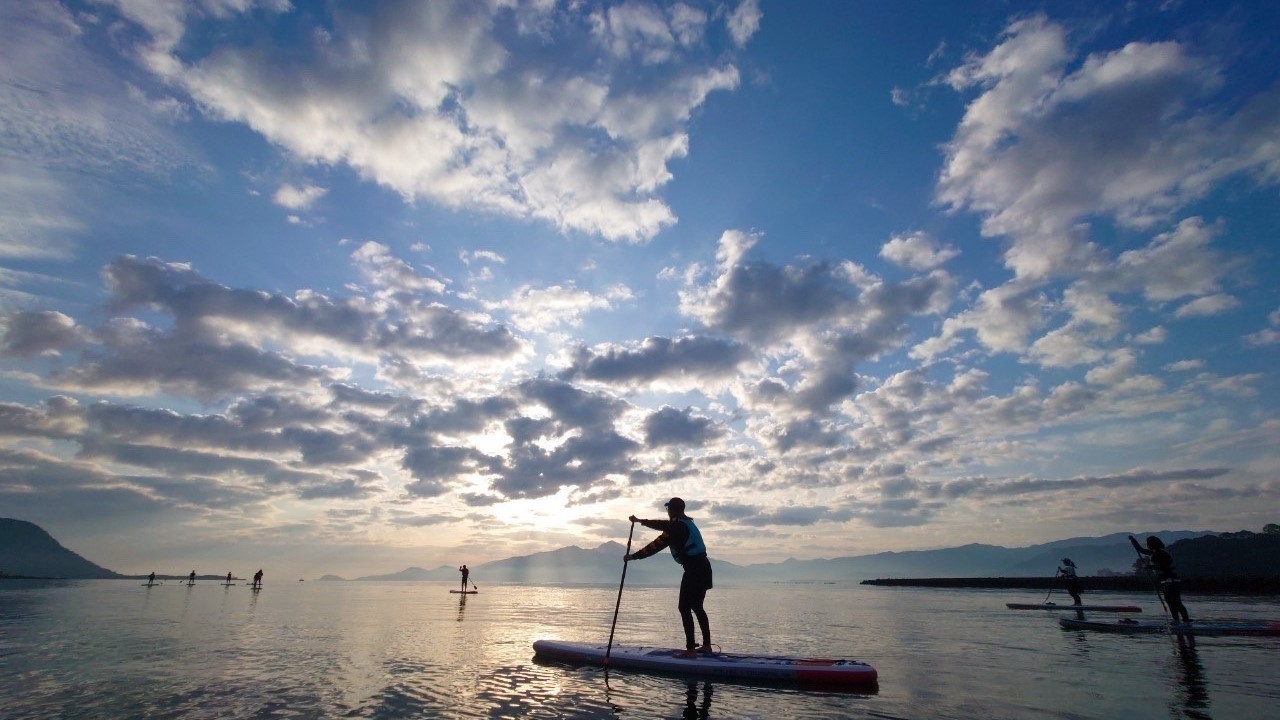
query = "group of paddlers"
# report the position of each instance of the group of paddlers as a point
(1157, 561)
(191, 579)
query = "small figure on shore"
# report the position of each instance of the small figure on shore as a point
(1170, 583)
(191, 579)
(1068, 572)
(466, 575)
(257, 580)
(683, 538)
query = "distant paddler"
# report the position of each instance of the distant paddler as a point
(466, 575)
(151, 579)
(191, 579)
(257, 580)
(1068, 572)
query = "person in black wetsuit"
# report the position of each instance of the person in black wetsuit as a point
(466, 574)
(151, 579)
(1068, 572)
(191, 579)
(682, 537)
(257, 579)
(1170, 584)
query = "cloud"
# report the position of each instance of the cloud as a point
(744, 21)
(1045, 147)
(543, 309)
(981, 487)
(788, 515)
(916, 251)
(669, 426)
(47, 332)
(452, 103)
(1266, 336)
(296, 197)
(1207, 306)
(689, 360)
(67, 123)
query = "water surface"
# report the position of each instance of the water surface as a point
(113, 649)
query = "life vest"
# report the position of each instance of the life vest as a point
(693, 547)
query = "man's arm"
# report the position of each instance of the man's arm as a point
(671, 532)
(658, 545)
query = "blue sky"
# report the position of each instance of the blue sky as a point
(344, 287)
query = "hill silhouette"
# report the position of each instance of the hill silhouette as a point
(26, 549)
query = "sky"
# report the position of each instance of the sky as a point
(344, 287)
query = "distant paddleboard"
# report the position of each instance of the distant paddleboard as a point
(227, 584)
(1056, 606)
(465, 592)
(805, 672)
(150, 584)
(1266, 628)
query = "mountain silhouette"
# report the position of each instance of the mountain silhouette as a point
(26, 549)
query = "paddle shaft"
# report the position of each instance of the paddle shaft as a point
(618, 604)
(1055, 579)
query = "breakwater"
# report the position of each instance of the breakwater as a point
(1250, 585)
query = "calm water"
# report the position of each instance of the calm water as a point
(113, 649)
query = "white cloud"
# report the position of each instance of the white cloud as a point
(1153, 336)
(916, 251)
(1266, 336)
(1207, 306)
(744, 21)
(297, 197)
(431, 101)
(543, 309)
(1044, 148)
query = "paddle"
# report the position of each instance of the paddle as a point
(1046, 595)
(618, 604)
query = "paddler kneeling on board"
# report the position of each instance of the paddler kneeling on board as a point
(681, 536)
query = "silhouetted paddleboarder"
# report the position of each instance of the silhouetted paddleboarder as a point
(1068, 572)
(191, 579)
(1170, 584)
(466, 575)
(257, 580)
(682, 537)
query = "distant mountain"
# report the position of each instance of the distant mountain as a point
(328, 578)
(603, 564)
(26, 549)
(417, 573)
(1230, 555)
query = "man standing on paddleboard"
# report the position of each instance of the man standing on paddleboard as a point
(466, 575)
(682, 537)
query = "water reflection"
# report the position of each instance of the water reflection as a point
(1193, 691)
(462, 606)
(693, 710)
